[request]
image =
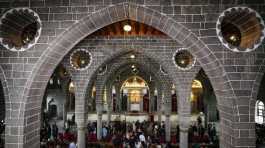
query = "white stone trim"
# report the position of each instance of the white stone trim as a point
(190, 65)
(82, 50)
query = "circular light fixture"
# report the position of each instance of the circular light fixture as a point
(20, 29)
(132, 56)
(80, 59)
(102, 70)
(183, 59)
(127, 28)
(240, 29)
(133, 66)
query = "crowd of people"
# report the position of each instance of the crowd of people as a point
(203, 135)
(122, 134)
(51, 137)
(135, 134)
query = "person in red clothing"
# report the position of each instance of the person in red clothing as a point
(196, 138)
(68, 137)
(205, 138)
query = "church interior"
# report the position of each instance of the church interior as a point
(147, 74)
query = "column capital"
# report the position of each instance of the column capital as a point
(99, 108)
(81, 128)
(184, 122)
(184, 130)
(167, 115)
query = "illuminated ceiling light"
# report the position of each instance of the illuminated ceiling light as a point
(133, 66)
(232, 38)
(132, 56)
(182, 62)
(71, 87)
(127, 28)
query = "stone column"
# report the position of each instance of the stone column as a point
(65, 89)
(184, 112)
(168, 128)
(151, 99)
(99, 105)
(81, 134)
(99, 121)
(80, 119)
(118, 98)
(109, 101)
(184, 127)
(167, 110)
(159, 105)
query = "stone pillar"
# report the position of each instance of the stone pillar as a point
(167, 111)
(99, 121)
(81, 136)
(99, 106)
(184, 112)
(65, 88)
(168, 128)
(151, 99)
(159, 106)
(99, 126)
(183, 136)
(109, 101)
(118, 98)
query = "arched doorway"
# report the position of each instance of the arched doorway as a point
(260, 115)
(57, 107)
(205, 128)
(135, 95)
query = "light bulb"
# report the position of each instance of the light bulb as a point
(127, 28)
(132, 56)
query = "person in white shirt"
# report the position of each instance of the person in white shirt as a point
(72, 145)
(142, 137)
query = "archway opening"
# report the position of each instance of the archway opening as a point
(260, 114)
(44, 64)
(135, 95)
(58, 108)
(204, 128)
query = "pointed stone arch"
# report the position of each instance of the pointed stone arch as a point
(89, 24)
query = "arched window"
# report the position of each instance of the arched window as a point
(259, 112)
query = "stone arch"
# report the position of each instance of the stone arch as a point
(256, 88)
(7, 103)
(89, 24)
(6, 94)
(159, 79)
(122, 62)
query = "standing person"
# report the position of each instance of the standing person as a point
(49, 131)
(104, 132)
(142, 140)
(54, 130)
(72, 145)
